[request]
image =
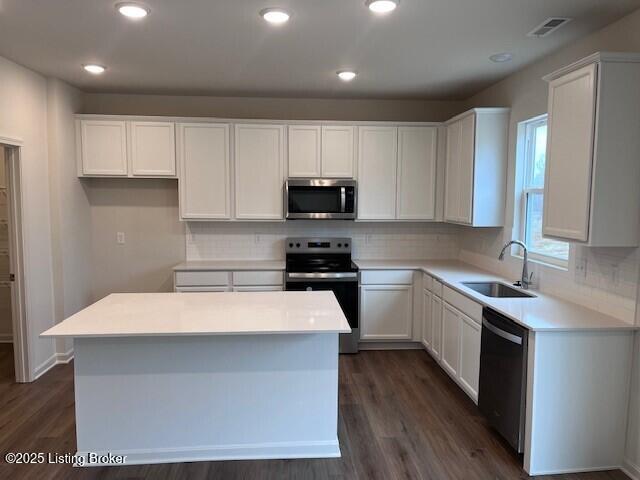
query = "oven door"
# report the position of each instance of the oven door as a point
(320, 199)
(346, 291)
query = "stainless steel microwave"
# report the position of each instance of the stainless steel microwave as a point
(320, 198)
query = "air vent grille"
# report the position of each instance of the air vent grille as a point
(549, 26)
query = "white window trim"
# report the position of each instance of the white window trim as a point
(521, 222)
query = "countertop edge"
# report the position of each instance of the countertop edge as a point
(401, 265)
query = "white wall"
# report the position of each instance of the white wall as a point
(23, 115)
(70, 210)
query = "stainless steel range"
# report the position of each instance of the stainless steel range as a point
(325, 264)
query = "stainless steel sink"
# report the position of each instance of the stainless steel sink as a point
(497, 289)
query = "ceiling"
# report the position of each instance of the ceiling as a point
(428, 49)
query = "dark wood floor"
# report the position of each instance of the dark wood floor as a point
(400, 417)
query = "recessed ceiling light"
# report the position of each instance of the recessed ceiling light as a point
(382, 6)
(94, 68)
(134, 11)
(346, 75)
(501, 57)
(277, 16)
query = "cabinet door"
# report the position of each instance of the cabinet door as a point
(427, 328)
(377, 165)
(567, 186)
(417, 172)
(204, 184)
(466, 168)
(387, 312)
(201, 289)
(452, 187)
(451, 339)
(103, 147)
(469, 356)
(337, 151)
(436, 326)
(259, 165)
(304, 151)
(153, 149)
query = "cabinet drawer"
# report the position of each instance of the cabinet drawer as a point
(436, 287)
(257, 278)
(427, 281)
(201, 278)
(386, 277)
(464, 304)
(201, 289)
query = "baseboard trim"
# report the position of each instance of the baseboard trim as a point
(264, 451)
(6, 338)
(630, 469)
(567, 471)
(390, 346)
(52, 361)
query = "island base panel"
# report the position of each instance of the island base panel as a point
(176, 399)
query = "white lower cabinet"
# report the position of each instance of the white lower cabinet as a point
(427, 330)
(258, 288)
(451, 339)
(436, 326)
(386, 312)
(202, 289)
(470, 332)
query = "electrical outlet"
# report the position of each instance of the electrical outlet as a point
(120, 239)
(581, 267)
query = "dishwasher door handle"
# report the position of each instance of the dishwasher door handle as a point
(501, 333)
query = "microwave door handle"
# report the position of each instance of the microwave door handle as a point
(343, 199)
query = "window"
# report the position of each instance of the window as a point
(534, 153)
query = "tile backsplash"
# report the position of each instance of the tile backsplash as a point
(265, 241)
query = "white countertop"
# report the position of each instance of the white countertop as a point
(542, 313)
(229, 265)
(227, 313)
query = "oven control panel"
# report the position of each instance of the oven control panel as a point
(317, 245)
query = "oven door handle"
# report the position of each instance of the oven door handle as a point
(343, 199)
(322, 276)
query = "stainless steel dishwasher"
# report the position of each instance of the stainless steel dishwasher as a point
(503, 376)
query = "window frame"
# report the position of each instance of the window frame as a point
(526, 190)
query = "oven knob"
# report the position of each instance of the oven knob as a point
(297, 245)
(346, 245)
(339, 245)
(290, 245)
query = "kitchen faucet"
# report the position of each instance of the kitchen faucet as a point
(526, 280)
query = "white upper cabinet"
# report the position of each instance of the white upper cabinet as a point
(152, 149)
(476, 164)
(377, 170)
(259, 171)
(417, 152)
(338, 155)
(120, 148)
(591, 192)
(103, 147)
(304, 150)
(205, 180)
(321, 151)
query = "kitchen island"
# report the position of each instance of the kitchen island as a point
(175, 377)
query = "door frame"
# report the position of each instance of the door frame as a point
(12, 164)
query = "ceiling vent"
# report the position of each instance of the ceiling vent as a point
(549, 26)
